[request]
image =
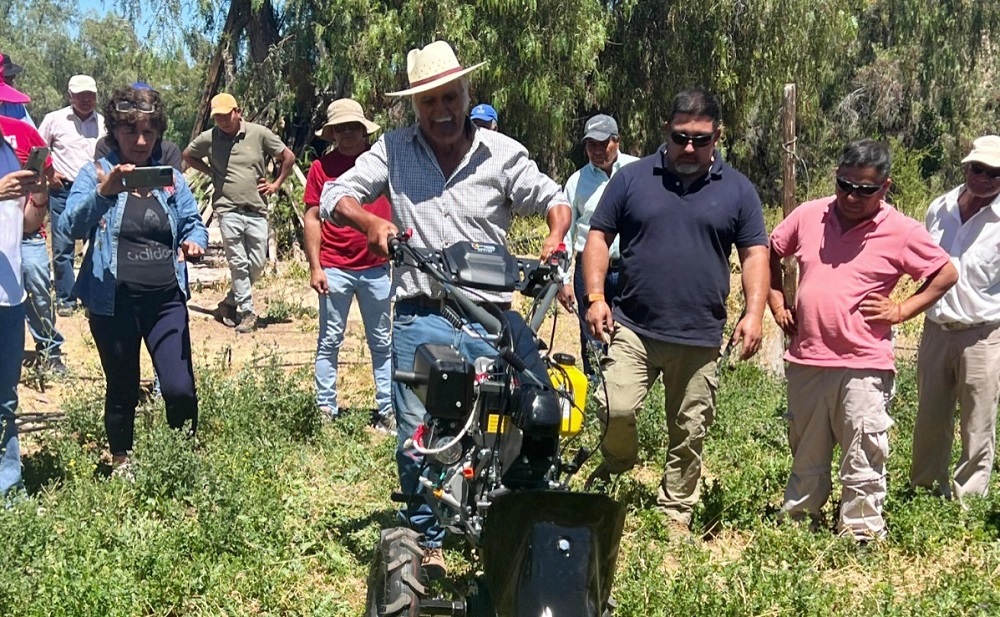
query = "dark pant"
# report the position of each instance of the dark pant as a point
(63, 247)
(161, 319)
(580, 291)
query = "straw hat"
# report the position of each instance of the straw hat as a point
(344, 111)
(431, 67)
(985, 150)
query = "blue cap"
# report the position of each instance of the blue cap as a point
(483, 111)
(141, 85)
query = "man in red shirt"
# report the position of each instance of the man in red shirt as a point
(852, 248)
(341, 266)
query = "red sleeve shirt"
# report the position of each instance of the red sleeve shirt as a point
(341, 247)
(22, 137)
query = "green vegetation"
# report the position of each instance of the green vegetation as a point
(276, 513)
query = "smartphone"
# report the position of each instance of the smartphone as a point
(149, 177)
(36, 160)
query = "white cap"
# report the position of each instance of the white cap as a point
(82, 83)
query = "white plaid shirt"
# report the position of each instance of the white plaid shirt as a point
(495, 180)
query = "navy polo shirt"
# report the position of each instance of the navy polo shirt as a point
(675, 246)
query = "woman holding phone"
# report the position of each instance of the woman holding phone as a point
(133, 279)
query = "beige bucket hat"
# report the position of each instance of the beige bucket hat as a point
(431, 67)
(344, 111)
(985, 150)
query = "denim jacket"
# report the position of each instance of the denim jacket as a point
(90, 216)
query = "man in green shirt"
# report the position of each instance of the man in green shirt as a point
(233, 154)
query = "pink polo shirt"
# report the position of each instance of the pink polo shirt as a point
(838, 269)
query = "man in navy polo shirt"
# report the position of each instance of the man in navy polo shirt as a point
(677, 215)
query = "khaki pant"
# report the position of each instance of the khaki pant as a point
(631, 367)
(960, 366)
(846, 407)
(244, 237)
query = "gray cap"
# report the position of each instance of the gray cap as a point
(600, 128)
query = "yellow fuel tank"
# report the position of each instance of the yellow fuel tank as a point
(571, 380)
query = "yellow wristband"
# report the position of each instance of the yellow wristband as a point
(595, 297)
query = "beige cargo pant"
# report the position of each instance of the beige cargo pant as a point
(689, 381)
(960, 366)
(846, 407)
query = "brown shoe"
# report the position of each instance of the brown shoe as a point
(679, 530)
(248, 323)
(433, 563)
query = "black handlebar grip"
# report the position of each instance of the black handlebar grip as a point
(407, 377)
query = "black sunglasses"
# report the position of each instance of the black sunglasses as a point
(864, 190)
(699, 141)
(980, 169)
(140, 106)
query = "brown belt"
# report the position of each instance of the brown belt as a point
(957, 326)
(436, 304)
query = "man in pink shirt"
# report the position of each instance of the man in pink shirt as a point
(341, 267)
(852, 248)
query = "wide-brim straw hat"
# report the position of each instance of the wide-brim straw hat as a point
(432, 66)
(344, 111)
(985, 150)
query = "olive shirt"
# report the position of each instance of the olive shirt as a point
(238, 163)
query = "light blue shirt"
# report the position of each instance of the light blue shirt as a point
(584, 189)
(16, 111)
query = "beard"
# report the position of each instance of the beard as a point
(687, 169)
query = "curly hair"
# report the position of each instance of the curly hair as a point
(113, 119)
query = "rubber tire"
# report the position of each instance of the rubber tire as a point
(394, 587)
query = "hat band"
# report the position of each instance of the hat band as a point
(428, 80)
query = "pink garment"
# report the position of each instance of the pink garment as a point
(839, 269)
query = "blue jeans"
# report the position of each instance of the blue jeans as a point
(412, 327)
(580, 291)
(11, 354)
(62, 249)
(39, 309)
(371, 287)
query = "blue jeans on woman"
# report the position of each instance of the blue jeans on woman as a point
(371, 287)
(11, 354)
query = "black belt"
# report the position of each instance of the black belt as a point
(436, 304)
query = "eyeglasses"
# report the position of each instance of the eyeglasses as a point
(140, 106)
(980, 169)
(699, 141)
(350, 127)
(863, 190)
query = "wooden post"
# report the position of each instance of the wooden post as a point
(789, 268)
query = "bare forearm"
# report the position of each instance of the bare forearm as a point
(559, 219)
(756, 279)
(928, 293)
(595, 261)
(287, 160)
(196, 163)
(350, 212)
(313, 232)
(775, 295)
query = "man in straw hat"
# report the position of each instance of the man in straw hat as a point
(959, 356)
(341, 266)
(448, 182)
(233, 154)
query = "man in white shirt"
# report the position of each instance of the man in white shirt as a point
(72, 133)
(584, 190)
(959, 356)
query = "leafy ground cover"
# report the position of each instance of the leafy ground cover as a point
(275, 512)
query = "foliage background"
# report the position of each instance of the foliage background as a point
(920, 72)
